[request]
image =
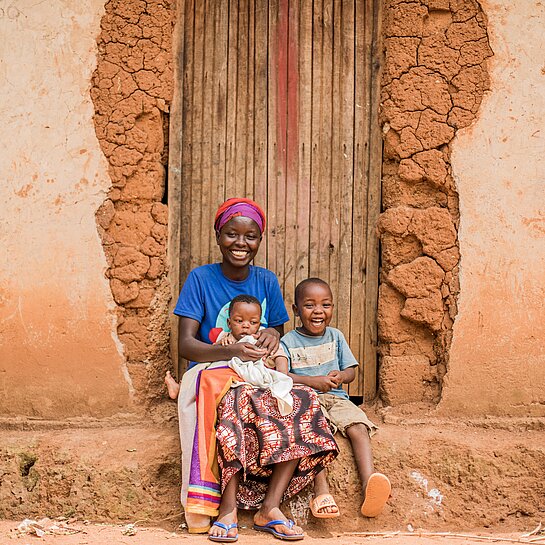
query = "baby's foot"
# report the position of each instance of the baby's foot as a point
(172, 386)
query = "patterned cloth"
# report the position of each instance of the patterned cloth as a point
(252, 435)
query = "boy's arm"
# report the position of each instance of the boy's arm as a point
(343, 377)
(281, 363)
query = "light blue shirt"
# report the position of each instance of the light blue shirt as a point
(316, 356)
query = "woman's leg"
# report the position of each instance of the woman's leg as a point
(270, 508)
(228, 509)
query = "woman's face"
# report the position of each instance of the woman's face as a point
(239, 241)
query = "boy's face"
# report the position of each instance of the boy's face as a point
(245, 319)
(314, 308)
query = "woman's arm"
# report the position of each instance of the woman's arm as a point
(192, 349)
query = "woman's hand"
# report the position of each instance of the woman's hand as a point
(268, 339)
(246, 352)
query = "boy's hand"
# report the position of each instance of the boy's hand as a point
(323, 384)
(337, 376)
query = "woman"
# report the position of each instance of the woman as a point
(256, 441)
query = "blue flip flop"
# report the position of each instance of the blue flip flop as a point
(225, 538)
(285, 537)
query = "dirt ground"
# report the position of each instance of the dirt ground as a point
(100, 534)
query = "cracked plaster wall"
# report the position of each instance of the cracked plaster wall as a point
(58, 357)
(434, 79)
(131, 91)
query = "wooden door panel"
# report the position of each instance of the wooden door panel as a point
(277, 102)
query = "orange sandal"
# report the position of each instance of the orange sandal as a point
(319, 502)
(377, 493)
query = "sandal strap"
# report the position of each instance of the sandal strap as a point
(225, 527)
(288, 523)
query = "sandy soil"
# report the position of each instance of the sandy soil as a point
(100, 534)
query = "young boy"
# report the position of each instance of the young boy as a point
(320, 357)
(244, 319)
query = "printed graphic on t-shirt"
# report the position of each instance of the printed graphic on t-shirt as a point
(312, 356)
(223, 315)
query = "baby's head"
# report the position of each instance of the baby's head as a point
(314, 306)
(244, 316)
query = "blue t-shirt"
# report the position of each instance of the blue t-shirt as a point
(207, 292)
(316, 356)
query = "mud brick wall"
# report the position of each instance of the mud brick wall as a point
(131, 92)
(433, 82)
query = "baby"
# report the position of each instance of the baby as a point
(244, 320)
(320, 357)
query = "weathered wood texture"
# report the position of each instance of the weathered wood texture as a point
(278, 102)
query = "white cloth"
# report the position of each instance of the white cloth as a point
(258, 374)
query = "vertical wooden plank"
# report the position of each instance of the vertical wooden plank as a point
(260, 143)
(303, 217)
(232, 100)
(176, 136)
(373, 207)
(292, 151)
(316, 131)
(344, 158)
(274, 166)
(207, 127)
(336, 172)
(359, 216)
(218, 108)
(241, 139)
(196, 257)
(187, 125)
(250, 101)
(325, 157)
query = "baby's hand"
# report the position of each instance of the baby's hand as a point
(227, 340)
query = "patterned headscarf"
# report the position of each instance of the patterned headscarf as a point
(234, 207)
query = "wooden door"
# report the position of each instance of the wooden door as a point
(277, 101)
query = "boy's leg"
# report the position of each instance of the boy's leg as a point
(228, 509)
(323, 502)
(376, 486)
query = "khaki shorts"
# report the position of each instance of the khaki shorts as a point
(342, 413)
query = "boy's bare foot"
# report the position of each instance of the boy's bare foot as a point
(285, 529)
(226, 527)
(172, 386)
(377, 492)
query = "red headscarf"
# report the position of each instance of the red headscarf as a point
(234, 207)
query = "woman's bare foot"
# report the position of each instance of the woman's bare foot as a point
(265, 515)
(172, 386)
(226, 518)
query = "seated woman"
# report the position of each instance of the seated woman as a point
(264, 457)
